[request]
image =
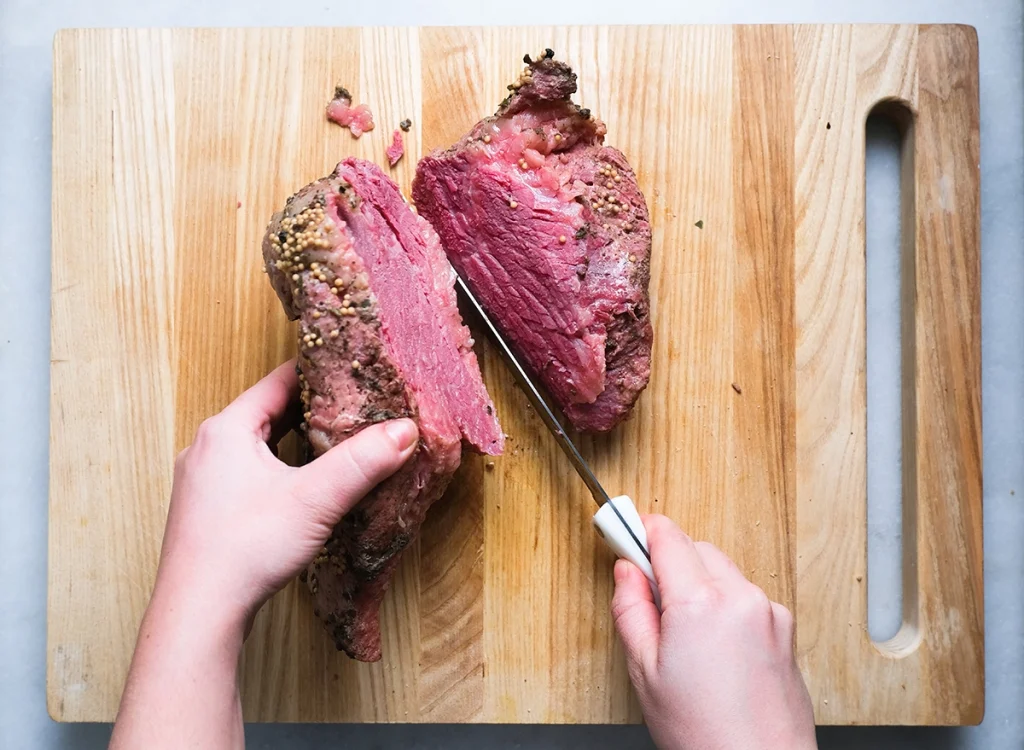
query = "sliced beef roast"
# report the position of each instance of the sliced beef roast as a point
(380, 337)
(550, 230)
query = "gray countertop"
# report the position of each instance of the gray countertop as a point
(26, 31)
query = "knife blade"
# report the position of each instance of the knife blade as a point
(547, 415)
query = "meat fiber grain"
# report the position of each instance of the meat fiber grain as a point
(380, 337)
(550, 230)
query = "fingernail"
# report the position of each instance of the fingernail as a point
(403, 432)
(620, 571)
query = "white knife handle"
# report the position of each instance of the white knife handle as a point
(609, 526)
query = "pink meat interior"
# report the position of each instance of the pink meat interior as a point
(420, 322)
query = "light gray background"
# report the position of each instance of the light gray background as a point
(26, 31)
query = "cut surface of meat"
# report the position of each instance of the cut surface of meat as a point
(380, 337)
(550, 230)
(396, 150)
(358, 119)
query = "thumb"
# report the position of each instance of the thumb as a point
(342, 476)
(636, 618)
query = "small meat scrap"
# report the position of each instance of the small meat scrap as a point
(396, 150)
(358, 119)
(405, 125)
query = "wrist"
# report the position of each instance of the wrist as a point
(189, 614)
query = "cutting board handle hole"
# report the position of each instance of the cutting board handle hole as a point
(891, 515)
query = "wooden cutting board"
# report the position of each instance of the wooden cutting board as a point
(171, 149)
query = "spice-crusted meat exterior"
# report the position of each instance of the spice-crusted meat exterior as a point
(551, 232)
(380, 337)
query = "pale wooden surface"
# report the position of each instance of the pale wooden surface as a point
(172, 149)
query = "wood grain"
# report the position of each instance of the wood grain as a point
(831, 427)
(763, 332)
(173, 147)
(912, 674)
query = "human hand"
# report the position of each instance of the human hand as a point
(241, 525)
(715, 669)
(241, 522)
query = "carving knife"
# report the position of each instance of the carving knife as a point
(616, 520)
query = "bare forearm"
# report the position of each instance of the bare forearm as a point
(182, 688)
(241, 524)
